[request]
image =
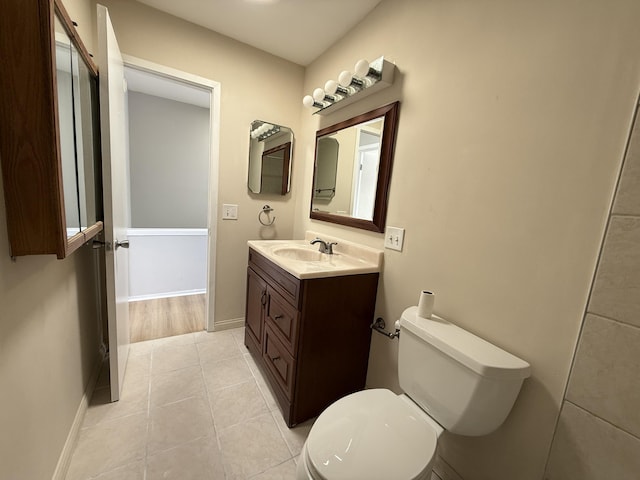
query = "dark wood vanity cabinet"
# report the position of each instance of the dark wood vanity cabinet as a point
(311, 337)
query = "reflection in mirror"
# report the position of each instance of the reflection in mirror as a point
(77, 116)
(65, 59)
(270, 148)
(353, 169)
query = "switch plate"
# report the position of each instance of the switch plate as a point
(229, 211)
(394, 238)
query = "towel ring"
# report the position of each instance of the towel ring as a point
(266, 210)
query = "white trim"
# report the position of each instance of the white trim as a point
(64, 459)
(228, 324)
(214, 162)
(168, 232)
(182, 293)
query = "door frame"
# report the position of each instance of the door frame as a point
(214, 162)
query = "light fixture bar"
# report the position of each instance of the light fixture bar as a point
(369, 78)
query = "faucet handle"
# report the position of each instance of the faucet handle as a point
(330, 247)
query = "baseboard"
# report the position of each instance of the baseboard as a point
(62, 467)
(228, 324)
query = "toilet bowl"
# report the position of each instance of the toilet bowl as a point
(452, 381)
(373, 434)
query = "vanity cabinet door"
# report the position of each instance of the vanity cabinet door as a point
(256, 301)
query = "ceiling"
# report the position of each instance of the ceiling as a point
(297, 30)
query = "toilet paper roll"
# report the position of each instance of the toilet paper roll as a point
(425, 304)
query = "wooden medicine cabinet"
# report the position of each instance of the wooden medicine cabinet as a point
(49, 135)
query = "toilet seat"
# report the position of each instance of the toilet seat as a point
(372, 434)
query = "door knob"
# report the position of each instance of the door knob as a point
(123, 244)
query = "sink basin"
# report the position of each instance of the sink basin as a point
(303, 260)
(301, 254)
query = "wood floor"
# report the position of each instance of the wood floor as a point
(166, 317)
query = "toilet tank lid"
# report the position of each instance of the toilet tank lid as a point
(482, 357)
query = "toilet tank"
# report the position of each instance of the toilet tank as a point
(465, 383)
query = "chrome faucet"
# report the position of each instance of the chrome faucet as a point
(325, 247)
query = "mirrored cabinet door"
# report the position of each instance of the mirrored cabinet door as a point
(48, 100)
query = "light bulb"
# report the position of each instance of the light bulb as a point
(318, 95)
(308, 101)
(362, 68)
(345, 78)
(331, 87)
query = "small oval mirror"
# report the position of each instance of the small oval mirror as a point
(270, 148)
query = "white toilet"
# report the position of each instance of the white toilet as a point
(452, 381)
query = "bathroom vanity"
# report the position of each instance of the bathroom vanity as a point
(307, 321)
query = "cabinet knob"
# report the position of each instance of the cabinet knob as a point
(264, 298)
(278, 317)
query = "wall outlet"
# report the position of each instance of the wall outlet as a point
(394, 238)
(229, 211)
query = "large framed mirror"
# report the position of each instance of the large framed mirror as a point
(270, 148)
(352, 169)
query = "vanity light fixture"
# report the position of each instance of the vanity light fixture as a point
(368, 78)
(264, 131)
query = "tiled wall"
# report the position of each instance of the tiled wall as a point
(598, 435)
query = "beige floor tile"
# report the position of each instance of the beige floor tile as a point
(293, 437)
(284, 471)
(177, 385)
(173, 357)
(219, 346)
(235, 404)
(138, 366)
(196, 460)
(175, 340)
(252, 447)
(264, 387)
(106, 446)
(134, 398)
(133, 471)
(141, 348)
(238, 335)
(226, 373)
(178, 423)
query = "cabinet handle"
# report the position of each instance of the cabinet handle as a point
(264, 298)
(278, 317)
(273, 359)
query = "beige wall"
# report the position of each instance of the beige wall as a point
(512, 127)
(254, 85)
(48, 350)
(604, 389)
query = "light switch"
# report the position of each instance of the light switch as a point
(394, 238)
(229, 211)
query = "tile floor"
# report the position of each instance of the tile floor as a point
(193, 406)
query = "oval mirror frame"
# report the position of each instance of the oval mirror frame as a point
(387, 147)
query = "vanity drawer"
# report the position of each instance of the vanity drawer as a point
(286, 284)
(278, 361)
(284, 320)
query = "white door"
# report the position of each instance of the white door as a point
(116, 196)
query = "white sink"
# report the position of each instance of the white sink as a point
(298, 253)
(303, 260)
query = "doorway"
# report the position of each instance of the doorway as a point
(172, 124)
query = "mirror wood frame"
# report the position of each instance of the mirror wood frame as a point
(387, 147)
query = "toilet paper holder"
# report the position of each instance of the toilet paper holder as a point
(379, 326)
